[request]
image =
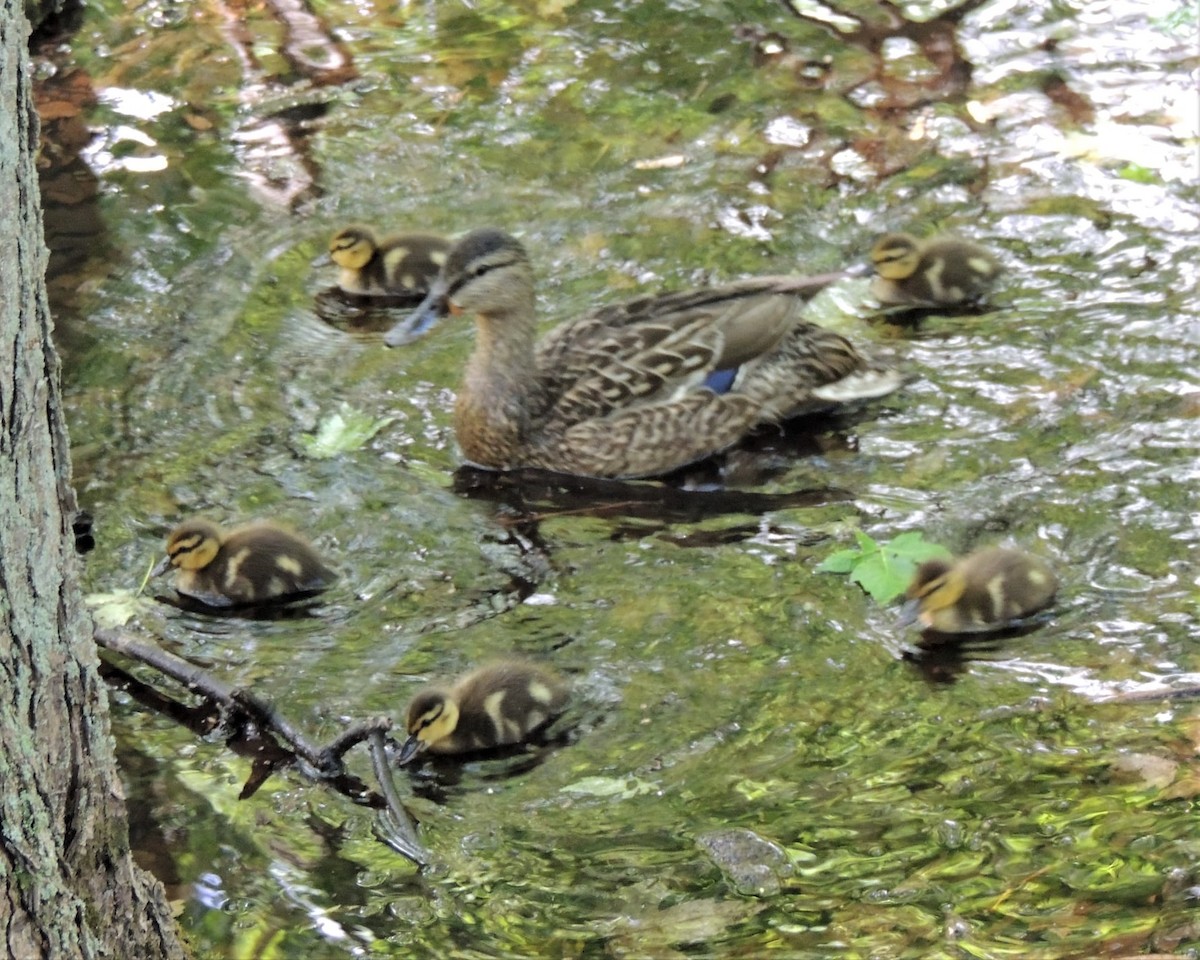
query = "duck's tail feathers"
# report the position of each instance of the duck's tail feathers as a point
(865, 384)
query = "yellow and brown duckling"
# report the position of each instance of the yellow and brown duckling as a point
(399, 266)
(987, 590)
(636, 389)
(497, 705)
(258, 563)
(939, 272)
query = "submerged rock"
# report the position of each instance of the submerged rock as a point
(753, 865)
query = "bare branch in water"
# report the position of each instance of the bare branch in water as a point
(255, 728)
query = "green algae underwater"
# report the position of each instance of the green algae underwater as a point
(760, 765)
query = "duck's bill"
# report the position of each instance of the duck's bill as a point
(427, 313)
(412, 746)
(161, 567)
(909, 614)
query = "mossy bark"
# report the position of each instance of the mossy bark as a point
(68, 887)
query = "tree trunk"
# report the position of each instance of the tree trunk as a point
(68, 887)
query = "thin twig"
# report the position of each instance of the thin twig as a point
(402, 837)
(265, 712)
(356, 734)
(194, 678)
(323, 763)
(198, 680)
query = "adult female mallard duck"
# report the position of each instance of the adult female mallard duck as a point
(403, 265)
(987, 590)
(941, 271)
(497, 705)
(258, 563)
(636, 389)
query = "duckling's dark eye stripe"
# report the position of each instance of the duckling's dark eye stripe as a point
(184, 545)
(432, 715)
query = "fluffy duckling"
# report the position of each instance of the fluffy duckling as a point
(258, 563)
(496, 705)
(984, 591)
(403, 265)
(941, 271)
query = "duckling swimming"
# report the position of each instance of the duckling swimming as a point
(985, 591)
(941, 271)
(403, 265)
(496, 705)
(258, 563)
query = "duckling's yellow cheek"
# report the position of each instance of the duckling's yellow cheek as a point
(454, 308)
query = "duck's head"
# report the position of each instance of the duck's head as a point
(935, 586)
(487, 273)
(895, 256)
(353, 247)
(192, 545)
(432, 716)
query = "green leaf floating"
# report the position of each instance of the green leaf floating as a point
(117, 608)
(341, 432)
(622, 787)
(884, 570)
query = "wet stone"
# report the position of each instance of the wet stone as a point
(753, 865)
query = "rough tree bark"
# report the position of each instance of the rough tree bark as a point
(68, 887)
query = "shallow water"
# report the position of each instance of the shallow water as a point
(723, 684)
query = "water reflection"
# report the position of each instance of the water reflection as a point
(738, 687)
(532, 495)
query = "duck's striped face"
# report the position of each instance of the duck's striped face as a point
(193, 545)
(487, 272)
(896, 256)
(352, 248)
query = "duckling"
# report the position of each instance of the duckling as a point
(403, 265)
(985, 591)
(257, 563)
(496, 705)
(941, 271)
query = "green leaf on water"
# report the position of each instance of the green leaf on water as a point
(841, 562)
(883, 570)
(341, 432)
(116, 608)
(622, 787)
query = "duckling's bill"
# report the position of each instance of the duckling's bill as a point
(409, 749)
(909, 613)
